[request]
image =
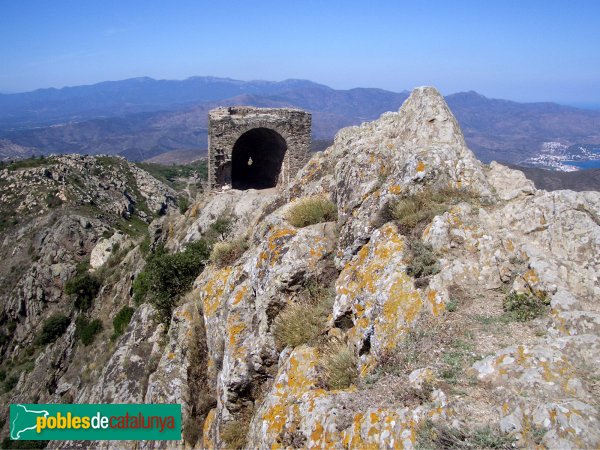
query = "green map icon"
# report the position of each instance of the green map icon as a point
(23, 420)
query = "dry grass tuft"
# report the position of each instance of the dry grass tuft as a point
(311, 210)
(339, 362)
(414, 211)
(226, 253)
(304, 321)
(234, 434)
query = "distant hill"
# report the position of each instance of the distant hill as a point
(177, 157)
(552, 180)
(142, 118)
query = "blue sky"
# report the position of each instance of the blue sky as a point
(521, 50)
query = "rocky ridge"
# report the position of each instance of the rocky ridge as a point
(433, 360)
(59, 214)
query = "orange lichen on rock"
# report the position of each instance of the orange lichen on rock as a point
(212, 292)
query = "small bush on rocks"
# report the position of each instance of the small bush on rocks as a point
(422, 262)
(85, 287)
(339, 363)
(54, 327)
(87, 330)
(311, 210)
(121, 320)
(524, 307)
(168, 276)
(226, 253)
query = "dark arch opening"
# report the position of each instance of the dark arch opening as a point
(256, 159)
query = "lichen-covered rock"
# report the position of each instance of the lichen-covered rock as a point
(103, 250)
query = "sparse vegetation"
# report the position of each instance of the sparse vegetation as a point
(86, 330)
(435, 435)
(220, 228)
(10, 382)
(422, 261)
(170, 174)
(226, 253)
(413, 212)
(524, 307)
(54, 327)
(183, 203)
(52, 200)
(339, 363)
(234, 434)
(167, 276)
(304, 320)
(121, 320)
(29, 163)
(311, 210)
(85, 287)
(458, 356)
(452, 305)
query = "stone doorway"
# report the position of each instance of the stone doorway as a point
(256, 159)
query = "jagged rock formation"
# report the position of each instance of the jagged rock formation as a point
(57, 214)
(515, 237)
(431, 359)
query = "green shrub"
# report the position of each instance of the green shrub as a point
(435, 435)
(54, 327)
(86, 331)
(85, 287)
(2, 375)
(304, 321)
(10, 383)
(220, 227)
(226, 253)
(339, 363)
(167, 276)
(412, 212)
(183, 204)
(122, 319)
(311, 210)
(422, 262)
(524, 307)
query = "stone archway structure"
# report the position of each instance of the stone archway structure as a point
(256, 148)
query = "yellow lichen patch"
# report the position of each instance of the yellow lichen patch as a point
(420, 166)
(508, 244)
(380, 428)
(239, 294)
(194, 210)
(275, 243)
(296, 379)
(531, 277)
(521, 352)
(395, 189)
(235, 326)
(207, 430)
(435, 302)
(211, 294)
(400, 309)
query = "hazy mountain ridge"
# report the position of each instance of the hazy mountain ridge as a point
(495, 129)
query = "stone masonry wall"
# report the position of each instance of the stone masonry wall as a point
(227, 124)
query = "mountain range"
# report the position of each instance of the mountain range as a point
(141, 118)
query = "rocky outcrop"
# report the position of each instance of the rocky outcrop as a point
(496, 344)
(512, 237)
